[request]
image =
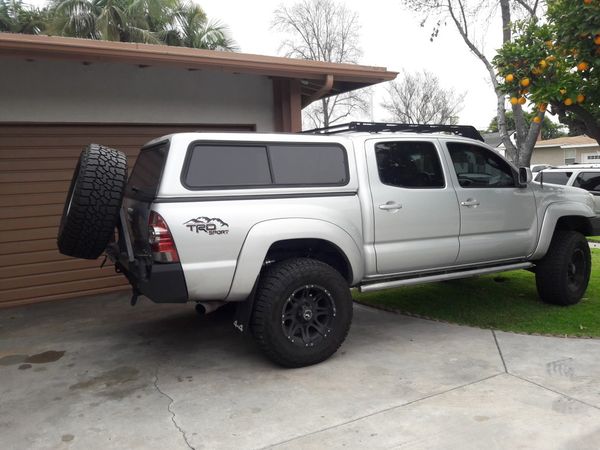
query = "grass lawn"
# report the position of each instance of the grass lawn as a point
(506, 301)
(595, 239)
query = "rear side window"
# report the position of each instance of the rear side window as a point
(554, 177)
(223, 165)
(590, 181)
(211, 166)
(414, 165)
(145, 177)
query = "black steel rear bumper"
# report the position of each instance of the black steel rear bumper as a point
(161, 283)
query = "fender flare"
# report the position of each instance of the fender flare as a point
(264, 234)
(551, 216)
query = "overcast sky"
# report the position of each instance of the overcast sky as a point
(390, 37)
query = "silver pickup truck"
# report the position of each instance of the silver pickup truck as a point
(286, 224)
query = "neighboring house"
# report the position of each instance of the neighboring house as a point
(566, 150)
(59, 94)
(495, 140)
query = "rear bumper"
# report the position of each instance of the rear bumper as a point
(163, 283)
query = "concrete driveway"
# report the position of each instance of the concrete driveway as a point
(96, 373)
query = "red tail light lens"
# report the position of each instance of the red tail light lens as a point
(161, 240)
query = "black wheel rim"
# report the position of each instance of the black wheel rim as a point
(576, 269)
(307, 316)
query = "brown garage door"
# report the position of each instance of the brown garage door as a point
(36, 165)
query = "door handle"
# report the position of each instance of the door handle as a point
(469, 202)
(390, 206)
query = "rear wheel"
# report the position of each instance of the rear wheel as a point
(302, 312)
(93, 202)
(562, 276)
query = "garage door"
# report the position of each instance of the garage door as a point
(36, 165)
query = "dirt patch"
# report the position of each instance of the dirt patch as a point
(112, 383)
(45, 357)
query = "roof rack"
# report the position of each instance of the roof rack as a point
(378, 127)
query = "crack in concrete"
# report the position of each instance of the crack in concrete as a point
(500, 351)
(555, 391)
(173, 417)
(381, 411)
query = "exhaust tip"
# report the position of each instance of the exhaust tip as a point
(200, 309)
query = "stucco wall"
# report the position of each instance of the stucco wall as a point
(59, 91)
(550, 155)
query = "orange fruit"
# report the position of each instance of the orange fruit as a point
(587, 2)
(597, 39)
(509, 78)
(537, 119)
(568, 102)
(580, 98)
(562, 91)
(522, 100)
(543, 107)
(514, 100)
(583, 66)
(543, 64)
(551, 58)
(549, 44)
(525, 82)
(536, 71)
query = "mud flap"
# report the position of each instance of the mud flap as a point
(243, 312)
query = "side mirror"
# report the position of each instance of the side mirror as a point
(525, 176)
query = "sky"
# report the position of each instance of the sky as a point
(390, 36)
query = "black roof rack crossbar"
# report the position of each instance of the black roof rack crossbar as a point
(378, 127)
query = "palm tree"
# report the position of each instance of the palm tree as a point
(15, 17)
(171, 22)
(197, 32)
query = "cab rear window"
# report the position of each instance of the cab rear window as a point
(230, 166)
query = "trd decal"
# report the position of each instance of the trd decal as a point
(207, 225)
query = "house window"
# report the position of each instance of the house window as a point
(570, 156)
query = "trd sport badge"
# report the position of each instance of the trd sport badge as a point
(207, 225)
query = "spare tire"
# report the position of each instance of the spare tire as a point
(92, 205)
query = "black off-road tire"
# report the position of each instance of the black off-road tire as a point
(92, 205)
(275, 290)
(562, 276)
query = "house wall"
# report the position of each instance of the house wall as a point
(550, 155)
(71, 92)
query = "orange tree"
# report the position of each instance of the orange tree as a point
(557, 63)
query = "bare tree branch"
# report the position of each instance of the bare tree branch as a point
(419, 98)
(322, 30)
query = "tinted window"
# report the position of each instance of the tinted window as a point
(146, 173)
(589, 181)
(554, 177)
(227, 165)
(409, 165)
(294, 164)
(477, 167)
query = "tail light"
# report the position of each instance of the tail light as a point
(161, 240)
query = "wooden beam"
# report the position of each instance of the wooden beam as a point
(287, 105)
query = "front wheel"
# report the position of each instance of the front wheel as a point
(562, 276)
(302, 312)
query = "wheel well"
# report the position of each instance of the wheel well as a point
(318, 249)
(575, 223)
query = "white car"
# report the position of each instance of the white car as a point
(584, 176)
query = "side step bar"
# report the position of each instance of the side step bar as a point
(442, 277)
